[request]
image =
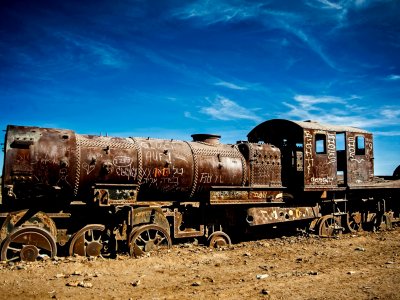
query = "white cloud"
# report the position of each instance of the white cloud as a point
(326, 5)
(340, 111)
(230, 85)
(387, 133)
(93, 50)
(188, 114)
(226, 109)
(390, 113)
(207, 13)
(212, 12)
(308, 101)
(393, 77)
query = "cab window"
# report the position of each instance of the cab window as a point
(360, 145)
(320, 143)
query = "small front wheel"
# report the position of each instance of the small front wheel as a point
(219, 239)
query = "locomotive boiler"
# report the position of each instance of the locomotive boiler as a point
(74, 194)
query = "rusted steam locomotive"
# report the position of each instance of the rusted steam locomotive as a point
(95, 195)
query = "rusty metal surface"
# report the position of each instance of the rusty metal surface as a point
(42, 162)
(115, 194)
(39, 162)
(263, 162)
(216, 164)
(180, 232)
(271, 215)
(221, 195)
(27, 244)
(27, 218)
(360, 164)
(149, 215)
(318, 156)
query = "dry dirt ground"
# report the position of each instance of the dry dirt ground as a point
(362, 266)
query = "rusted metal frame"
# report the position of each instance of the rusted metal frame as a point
(148, 215)
(78, 164)
(244, 165)
(106, 194)
(244, 194)
(188, 232)
(251, 173)
(140, 172)
(324, 188)
(195, 178)
(277, 214)
(249, 188)
(247, 202)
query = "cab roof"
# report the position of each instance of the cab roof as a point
(296, 125)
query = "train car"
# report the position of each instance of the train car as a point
(73, 194)
(334, 167)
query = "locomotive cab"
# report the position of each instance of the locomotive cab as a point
(318, 156)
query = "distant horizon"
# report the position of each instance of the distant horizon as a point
(168, 69)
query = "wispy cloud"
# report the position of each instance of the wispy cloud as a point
(393, 77)
(226, 109)
(387, 133)
(188, 115)
(211, 12)
(207, 13)
(340, 111)
(310, 41)
(230, 85)
(390, 113)
(307, 101)
(92, 51)
(329, 5)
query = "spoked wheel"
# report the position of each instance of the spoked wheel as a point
(148, 238)
(328, 226)
(28, 244)
(91, 240)
(219, 239)
(354, 222)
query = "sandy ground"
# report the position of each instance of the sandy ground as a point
(362, 266)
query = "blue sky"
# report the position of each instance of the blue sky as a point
(169, 69)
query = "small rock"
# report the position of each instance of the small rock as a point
(313, 273)
(196, 283)
(262, 276)
(351, 272)
(136, 282)
(218, 264)
(264, 292)
(77, 273)
(210, 279)
(390, 262)
(247, 254)
(60, 275)
(73, 283)
(85, 284)
(360, 249)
